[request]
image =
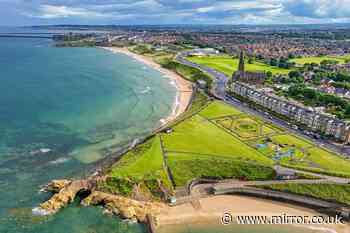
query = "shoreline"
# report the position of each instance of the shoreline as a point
(184, 88)
(209, 211)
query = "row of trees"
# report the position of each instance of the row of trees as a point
(311, 97)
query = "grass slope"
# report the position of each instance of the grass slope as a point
(146, 159)
(187, 167)
(199, 136)
(330, 192)
(218, 109)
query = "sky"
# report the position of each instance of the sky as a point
(127, 12)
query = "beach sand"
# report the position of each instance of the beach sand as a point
(211, 209)
(184, 87)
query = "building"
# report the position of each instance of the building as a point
(312, 119)
(247, 77)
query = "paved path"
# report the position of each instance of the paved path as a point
(233, 183)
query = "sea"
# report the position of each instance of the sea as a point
(62, 111)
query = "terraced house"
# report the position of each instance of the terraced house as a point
(312, 119)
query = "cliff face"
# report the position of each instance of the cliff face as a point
(66, 191)
(124, 207)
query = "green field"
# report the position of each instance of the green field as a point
(218, 109)
(145, 159)
(318, 60)
(330, 192)
(216, 140)
(228, 65)
(247, 127)
(186, 167)
(199, 136)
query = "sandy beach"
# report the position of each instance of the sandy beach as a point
(210, 211)
(184, 87)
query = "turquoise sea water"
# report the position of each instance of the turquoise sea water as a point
(61, 110)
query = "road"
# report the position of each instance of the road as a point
(219, 91)
(220, 79)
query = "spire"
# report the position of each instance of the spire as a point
(241, 62)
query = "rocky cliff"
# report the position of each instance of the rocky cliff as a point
(66, 191)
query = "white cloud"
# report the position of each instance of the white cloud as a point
(184, 11)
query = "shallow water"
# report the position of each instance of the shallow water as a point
(61, 110)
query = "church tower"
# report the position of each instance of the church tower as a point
(241, 62)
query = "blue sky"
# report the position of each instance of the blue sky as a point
(34, 12)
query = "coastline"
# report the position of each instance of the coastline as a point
(210, 210)
(184, 87)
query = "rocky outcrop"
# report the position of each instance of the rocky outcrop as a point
(124, 207)
(56, 186)
(66, 191)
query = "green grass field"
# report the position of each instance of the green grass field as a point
(291, 140)
(186, 167)
(199, 136)
(318, 60)
(144, 160)
(218, 109)
(228, 65)
(246, 127)
(330, 192)
(217, 141)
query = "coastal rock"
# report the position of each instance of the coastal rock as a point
(65, 195)
(56, 186)
(125, 207)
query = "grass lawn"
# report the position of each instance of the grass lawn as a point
(291, 140)
(246, 127)
(144, 160)
(218, 109)
(317, 60)
(199, 136)
(228, 65)
(141, 167)
(186, 167)
(329, 161)
(330, 192)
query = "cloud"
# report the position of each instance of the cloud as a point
(178, 11)
(50, 12)
(318, 8)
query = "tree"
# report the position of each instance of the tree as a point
(269, 74)
(250, 60)
(273, 62)
(294, 74)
